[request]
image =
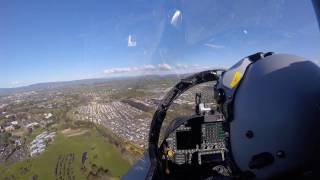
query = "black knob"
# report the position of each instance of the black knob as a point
(220, 96)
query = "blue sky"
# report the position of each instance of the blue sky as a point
(46, 40)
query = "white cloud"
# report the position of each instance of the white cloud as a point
(148, 67)
(141, 69)
(191, 67)
(176, 18)
(131, 41)
(182, 66)
(215, 46)
(245, 31)
(117, 70)
(164, 67)
(156, 69)
(14, 83)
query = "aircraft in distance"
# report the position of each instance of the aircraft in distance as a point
(263, 126)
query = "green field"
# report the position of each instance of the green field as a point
(68, 151)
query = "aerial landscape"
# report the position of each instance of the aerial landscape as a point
(81, 130)
(80, 81)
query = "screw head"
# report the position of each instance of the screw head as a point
(249, 134)
(280, 154)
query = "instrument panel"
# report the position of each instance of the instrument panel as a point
(199, 141)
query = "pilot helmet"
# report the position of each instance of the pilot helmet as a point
(272, 102)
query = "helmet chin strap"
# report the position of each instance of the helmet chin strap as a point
(160, 114)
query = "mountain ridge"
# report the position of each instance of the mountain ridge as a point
(60, 84)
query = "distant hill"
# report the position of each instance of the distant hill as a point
(49, 85)
(61, 84)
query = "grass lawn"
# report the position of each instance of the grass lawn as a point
(100, 153)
